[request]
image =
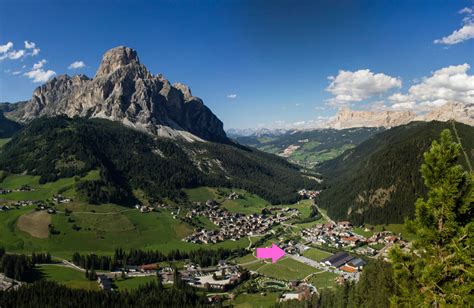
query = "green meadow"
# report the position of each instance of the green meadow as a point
(286, 269)
(131, 283)
(244, 300)
(316, 254)
(67, 276)
(323, 280)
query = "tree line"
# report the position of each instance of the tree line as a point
(50, 294)
(121, 258)
(21, 267)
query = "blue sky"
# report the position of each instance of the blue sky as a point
(275, 57)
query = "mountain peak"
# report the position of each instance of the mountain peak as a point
(115, 58)
(124, 90)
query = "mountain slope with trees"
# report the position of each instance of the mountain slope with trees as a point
(378, 181)
(127, 159)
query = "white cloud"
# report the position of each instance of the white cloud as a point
(40, 75)
(7, 52)
(356, 86)
(466, 10)
(6, 47)
(39, 64)
(35, 52)
(466, 32)
(458, 36)
(16, 73)
(76, 65)
(232, 96)
(29, 45)
(16, 54)
(451, 83)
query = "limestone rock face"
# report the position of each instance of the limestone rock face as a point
(124, 90)
(347, 118)
(463, 113)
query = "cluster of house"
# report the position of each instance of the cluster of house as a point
(22, 188)
(233, 226)
(61, 199)
(344, 261)
(8, 205)
(309, 194)
(330, 234)
(341, 235)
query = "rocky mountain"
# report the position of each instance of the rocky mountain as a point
(379, 180)
(346, 118)
(463, 113)
(124, 90)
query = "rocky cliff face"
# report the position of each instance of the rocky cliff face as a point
(124, 90)
(347, 118)
(463, 113)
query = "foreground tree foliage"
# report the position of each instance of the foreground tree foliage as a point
(438, 270)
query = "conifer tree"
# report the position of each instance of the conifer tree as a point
(437, 270)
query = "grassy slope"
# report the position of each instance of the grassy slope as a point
(69, 277)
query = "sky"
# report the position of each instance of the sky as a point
(255, 63)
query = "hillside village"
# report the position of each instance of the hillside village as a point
(233, 226)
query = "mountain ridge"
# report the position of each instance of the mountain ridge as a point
(124, 90)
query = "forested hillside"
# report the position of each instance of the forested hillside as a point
(7, 127)
(379, 180)
(308, 148)
(128, 160)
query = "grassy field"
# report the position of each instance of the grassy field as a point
(69, 277)
(286, 269)
(133, 282)
(64, 186)
(108, 227)
(323, 280)
(316, 254)
(255, 300)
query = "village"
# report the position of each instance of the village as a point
(233, 226)
(342, 236)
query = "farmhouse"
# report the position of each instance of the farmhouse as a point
(105, 283)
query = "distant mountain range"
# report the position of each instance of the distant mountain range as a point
(124, 90)
(347, 118)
